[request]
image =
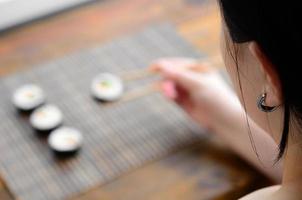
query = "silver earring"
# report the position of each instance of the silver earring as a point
(261, 104)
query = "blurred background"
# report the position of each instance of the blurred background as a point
(35, 32)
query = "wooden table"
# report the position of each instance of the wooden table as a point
(180, 175)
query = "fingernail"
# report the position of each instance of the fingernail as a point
(169, 89)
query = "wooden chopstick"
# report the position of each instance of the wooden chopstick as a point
(137, 74)
(147, 89)
(198, 67)
(142, 91)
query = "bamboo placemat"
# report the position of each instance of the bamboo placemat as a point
(118, 138)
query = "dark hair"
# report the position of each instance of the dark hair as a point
(275, 26)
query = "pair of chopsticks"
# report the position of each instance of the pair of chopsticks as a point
(153, 87)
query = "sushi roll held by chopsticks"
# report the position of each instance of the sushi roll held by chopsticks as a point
(107, 87)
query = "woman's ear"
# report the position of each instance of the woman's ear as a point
(272, 85)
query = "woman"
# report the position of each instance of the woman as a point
(260, 44)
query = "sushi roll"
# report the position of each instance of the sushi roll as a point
(107, 87)
(28, 97)
(65, 141)
(46, 118)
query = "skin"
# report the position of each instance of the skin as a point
(201, 92)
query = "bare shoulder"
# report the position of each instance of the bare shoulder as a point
(264, 193)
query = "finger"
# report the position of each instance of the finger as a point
(184, 99)
(176, 94)
(173, 62)
(169, 89)
(182, 63)
(185, 79)
(202, 67)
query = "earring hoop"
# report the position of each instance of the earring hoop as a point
(261, 104)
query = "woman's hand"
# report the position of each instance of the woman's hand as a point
(202, 93)
(199, 90)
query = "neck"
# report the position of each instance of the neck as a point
(292, 173)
